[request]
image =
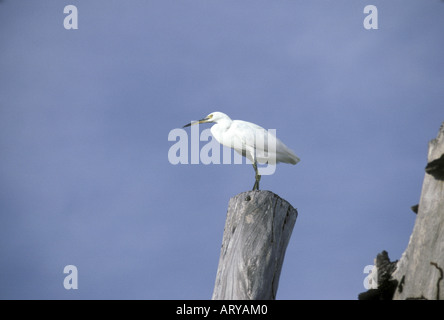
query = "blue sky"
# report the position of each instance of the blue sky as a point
(85, 115)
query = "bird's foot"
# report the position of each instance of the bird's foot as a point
(256, 183)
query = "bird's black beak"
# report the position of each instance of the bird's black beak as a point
(197, 122)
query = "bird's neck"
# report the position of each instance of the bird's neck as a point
(224, 124)
(220, 128)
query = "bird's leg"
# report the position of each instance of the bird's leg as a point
(257, 177)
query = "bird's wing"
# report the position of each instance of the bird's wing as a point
(285, 154)
(261, 144)
(245, 136)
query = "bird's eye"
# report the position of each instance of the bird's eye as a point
(210, 116)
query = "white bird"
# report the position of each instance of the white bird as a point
(249, 140)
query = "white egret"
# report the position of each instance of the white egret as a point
(249, 140)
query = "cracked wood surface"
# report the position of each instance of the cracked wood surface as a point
(257, 231)
(420, 267)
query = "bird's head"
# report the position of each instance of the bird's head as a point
(212, 117)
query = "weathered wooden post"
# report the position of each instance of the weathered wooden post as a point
(419, 272)
(420, 269)
(257, 231)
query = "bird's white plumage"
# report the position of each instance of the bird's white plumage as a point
(250, 140)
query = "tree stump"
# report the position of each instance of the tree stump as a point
(257, 231)
(419, 273)
(420, 270)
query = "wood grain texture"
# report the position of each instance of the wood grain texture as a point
(420, 268)
(257, 231)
